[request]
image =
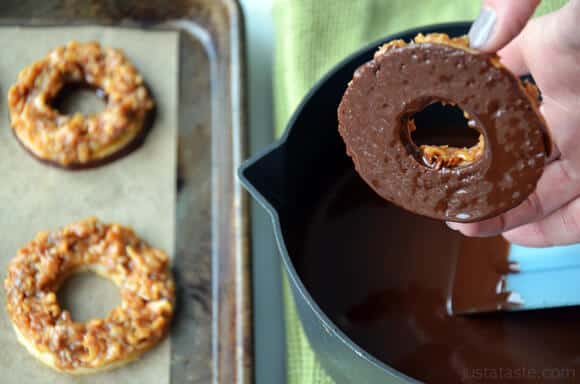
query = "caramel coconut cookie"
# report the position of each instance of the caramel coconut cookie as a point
(79, 141)
(140, 271)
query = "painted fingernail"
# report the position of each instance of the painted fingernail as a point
(482, 28)
(451, 225)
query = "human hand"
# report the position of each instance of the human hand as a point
(548, 47)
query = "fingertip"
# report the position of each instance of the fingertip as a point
(485, 228)
(499, 22)
(452, 225)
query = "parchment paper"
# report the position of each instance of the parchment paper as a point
(137, 190)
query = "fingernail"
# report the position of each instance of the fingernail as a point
(482, 28)
(451, 225)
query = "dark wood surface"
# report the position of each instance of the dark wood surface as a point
(211, 339)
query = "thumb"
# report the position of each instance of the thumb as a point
(499, 22)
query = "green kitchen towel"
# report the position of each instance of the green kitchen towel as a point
(311, 37)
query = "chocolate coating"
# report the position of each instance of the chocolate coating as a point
(403, 80)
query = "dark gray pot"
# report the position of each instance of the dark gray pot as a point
(286, 179)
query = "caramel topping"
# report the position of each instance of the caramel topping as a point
(439, 156)
(461, 42)
(445, 156)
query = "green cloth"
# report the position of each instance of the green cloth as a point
(311, 36)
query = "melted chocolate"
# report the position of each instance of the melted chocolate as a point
(385, 277)
(480, 278)
(386, 92)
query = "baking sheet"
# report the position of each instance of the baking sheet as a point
(137, 190)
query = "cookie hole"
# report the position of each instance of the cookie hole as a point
(442, 136)
(87, 296)
(79, 98)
